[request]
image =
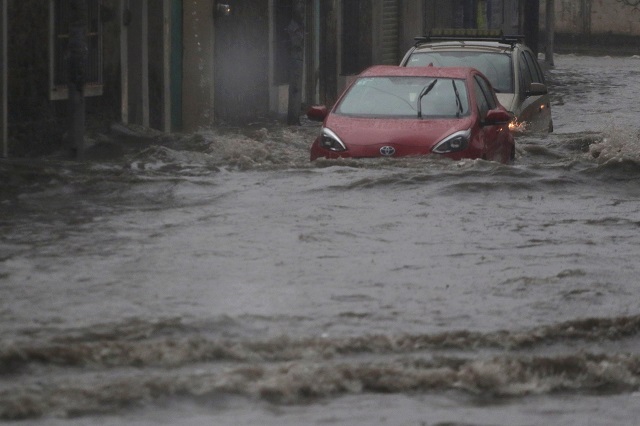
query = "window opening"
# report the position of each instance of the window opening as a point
(58, 51)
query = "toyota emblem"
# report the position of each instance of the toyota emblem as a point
(387, 151)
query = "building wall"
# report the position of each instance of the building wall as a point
(598, 17)
(37, 124)
(31, 116)
(569, 16)
(618, 16)
(495, 14)
(412, 20)
(594, 26)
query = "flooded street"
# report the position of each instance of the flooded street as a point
(221, 278)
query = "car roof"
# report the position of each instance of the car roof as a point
(469, 39)
(468, 45)
(429, 71)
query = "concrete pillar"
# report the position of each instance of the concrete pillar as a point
(125, 18)
(531, 20)
(77, 63)
(197, 80)
(138, 62)
(550, 24)
(586, 16)
(4, 67)
(166, 65)
(329, 51)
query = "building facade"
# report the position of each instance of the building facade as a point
(597, 26)
(177, 65)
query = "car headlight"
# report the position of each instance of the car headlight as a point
(453, 143)
(329, 140)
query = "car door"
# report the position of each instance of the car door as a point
(535, 109)
(493, 136)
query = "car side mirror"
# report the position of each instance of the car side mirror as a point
(537, 89)
(497, 116)
(317, 113)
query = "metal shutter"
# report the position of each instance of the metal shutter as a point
(390, 32)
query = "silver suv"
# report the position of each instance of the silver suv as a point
(510, 66)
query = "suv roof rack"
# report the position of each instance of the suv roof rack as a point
(467, 34)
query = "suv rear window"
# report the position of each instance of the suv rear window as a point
(496, 66)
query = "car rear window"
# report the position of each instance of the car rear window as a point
(399, 96)
(496, 66)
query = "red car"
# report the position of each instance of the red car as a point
(391, 111)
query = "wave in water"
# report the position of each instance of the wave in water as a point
(84, 372)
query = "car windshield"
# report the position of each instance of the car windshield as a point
(406, 97)
(496, 66)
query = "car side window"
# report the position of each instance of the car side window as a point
(488, 93)
(525, 73)
(534, 68)
(481, 99)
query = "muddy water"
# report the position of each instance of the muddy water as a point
(220, 278)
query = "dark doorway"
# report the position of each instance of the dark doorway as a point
(356, 36)
(241, 62)
(284, 14)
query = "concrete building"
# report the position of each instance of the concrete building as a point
(177, 65)
(597, 25)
